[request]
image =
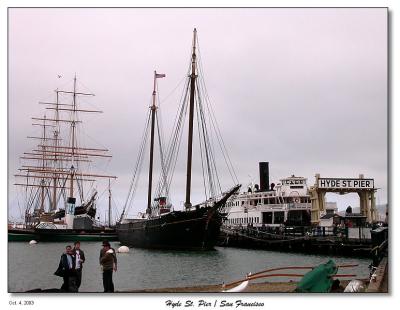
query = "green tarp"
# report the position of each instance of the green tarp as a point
(318, 280)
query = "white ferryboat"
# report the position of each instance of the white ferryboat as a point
(271, 205)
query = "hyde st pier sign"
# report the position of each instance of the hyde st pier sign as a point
(345, 183)
(365, 188)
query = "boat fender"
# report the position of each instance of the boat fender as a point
(123, 249)
(32, 242)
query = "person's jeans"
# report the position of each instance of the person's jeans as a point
(78, 277)
(107, 281)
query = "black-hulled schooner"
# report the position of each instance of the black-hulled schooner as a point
(58, 176)
(194, 227)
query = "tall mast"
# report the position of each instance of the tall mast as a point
(153, 115)
(71, 188)
(55, 176)
(109, 203)
(42, 181)
(193, 76)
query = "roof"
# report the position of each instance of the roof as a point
(354, 215)
(328, 216)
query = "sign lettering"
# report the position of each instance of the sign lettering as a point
(292, 182)
(330, 183)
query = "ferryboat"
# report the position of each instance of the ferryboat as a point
(271, 205)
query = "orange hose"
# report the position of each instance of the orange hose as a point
(257, 274)
(302, 267)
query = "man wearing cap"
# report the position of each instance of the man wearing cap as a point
(108, 262)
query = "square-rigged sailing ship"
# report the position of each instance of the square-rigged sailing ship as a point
(57, 177)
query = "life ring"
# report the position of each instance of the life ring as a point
(297, 200)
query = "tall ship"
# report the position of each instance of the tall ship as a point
(194, 227)
(271, 205)
(58, 178)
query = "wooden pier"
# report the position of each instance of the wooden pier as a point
(297, 239)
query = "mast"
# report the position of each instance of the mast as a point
(55, 145)
(71, 186)
(193, 76)
(42, 182)
(153, 115)
(109, 203)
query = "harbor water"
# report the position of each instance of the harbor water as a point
(33, 266)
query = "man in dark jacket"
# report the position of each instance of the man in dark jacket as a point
(108, 262)
(66, 269)
(103, 251)
(79, 260)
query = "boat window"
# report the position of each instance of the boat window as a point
(279, 217)
(267, 217)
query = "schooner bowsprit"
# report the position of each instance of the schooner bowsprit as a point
(194, 227)
(59, 189)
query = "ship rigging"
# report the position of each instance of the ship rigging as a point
(195, 226)
(58, 172)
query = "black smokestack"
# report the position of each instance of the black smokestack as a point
(264, 176)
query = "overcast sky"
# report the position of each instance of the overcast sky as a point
(305, 89)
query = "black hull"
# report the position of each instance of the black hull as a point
(197, 229)
(180, 230)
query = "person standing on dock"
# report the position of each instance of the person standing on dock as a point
(103, 251)
(66, 269)
(108, 263)
(79, 260)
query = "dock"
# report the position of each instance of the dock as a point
(296, 240)
(380, 283)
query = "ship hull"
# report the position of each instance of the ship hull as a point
(56, 235)
(180, 230)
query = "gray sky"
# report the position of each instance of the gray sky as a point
(305, 89)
